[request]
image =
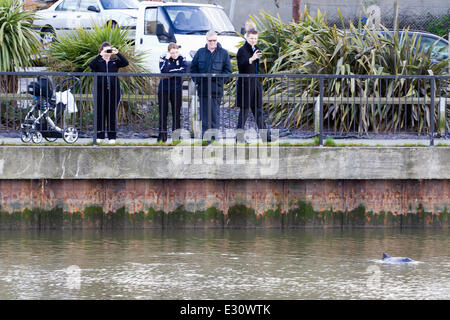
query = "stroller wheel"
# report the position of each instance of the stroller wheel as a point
(36, 137)
(25, 136)
(70, 134)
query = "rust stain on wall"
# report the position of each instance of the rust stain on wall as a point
(396, 196)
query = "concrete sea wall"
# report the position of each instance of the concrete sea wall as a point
(113, 187)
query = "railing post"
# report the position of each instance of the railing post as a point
(192, 106)
(433, 85)
(209, 102)
(442, 117)
(321, 111)
(94, 99)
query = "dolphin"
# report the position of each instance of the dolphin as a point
(387, 258)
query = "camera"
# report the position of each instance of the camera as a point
(109, 51)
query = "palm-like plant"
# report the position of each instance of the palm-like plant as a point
(72, 52)
(18, 41)
(357, 51)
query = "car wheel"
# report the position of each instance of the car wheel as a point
(113, 24)
(48, 36)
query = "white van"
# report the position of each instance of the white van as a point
(186, 24)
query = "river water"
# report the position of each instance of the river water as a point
(224, 264)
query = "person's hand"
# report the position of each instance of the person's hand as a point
(115, 51)
(256, 55)
(167, 56)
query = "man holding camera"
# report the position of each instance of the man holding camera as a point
(249, 90)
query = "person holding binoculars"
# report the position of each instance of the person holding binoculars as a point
(107, 91)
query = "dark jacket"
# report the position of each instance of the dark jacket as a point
(172, 66)
(206, 62)
(248, 90)
(98, 64)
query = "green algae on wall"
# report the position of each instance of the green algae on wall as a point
(240, 216)
(303, 214)
(300, 215)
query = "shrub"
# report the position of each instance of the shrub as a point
(18, 41)
(312, 47)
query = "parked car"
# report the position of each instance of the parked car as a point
(440, 49)
(67, 15)
(184, 23)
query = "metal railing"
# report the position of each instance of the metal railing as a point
(299, 106)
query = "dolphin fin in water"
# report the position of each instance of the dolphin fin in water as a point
(388, 258)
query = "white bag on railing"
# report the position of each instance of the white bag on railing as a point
(68, 99)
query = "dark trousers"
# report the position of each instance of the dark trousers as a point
(209, 115)
(107, 102)
(257, 113)
(251, 100)
(175, 99)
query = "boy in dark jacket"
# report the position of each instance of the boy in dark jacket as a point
(170, 89)
(210, 59)
(107, 90)
(249, 90)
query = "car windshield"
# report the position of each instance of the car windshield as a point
(440, 48)
(199, 19)
(119, 4)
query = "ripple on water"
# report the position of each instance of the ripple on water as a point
(219, 265)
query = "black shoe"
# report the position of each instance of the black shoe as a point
(162, 137)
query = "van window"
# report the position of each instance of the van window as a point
(163, 20)
(188, 18)
(150, 21)
(152, 17)
(198, 18)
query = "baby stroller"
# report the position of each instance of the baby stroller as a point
(38, 124)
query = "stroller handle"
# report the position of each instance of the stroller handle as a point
(48, 79)
(61, 84)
